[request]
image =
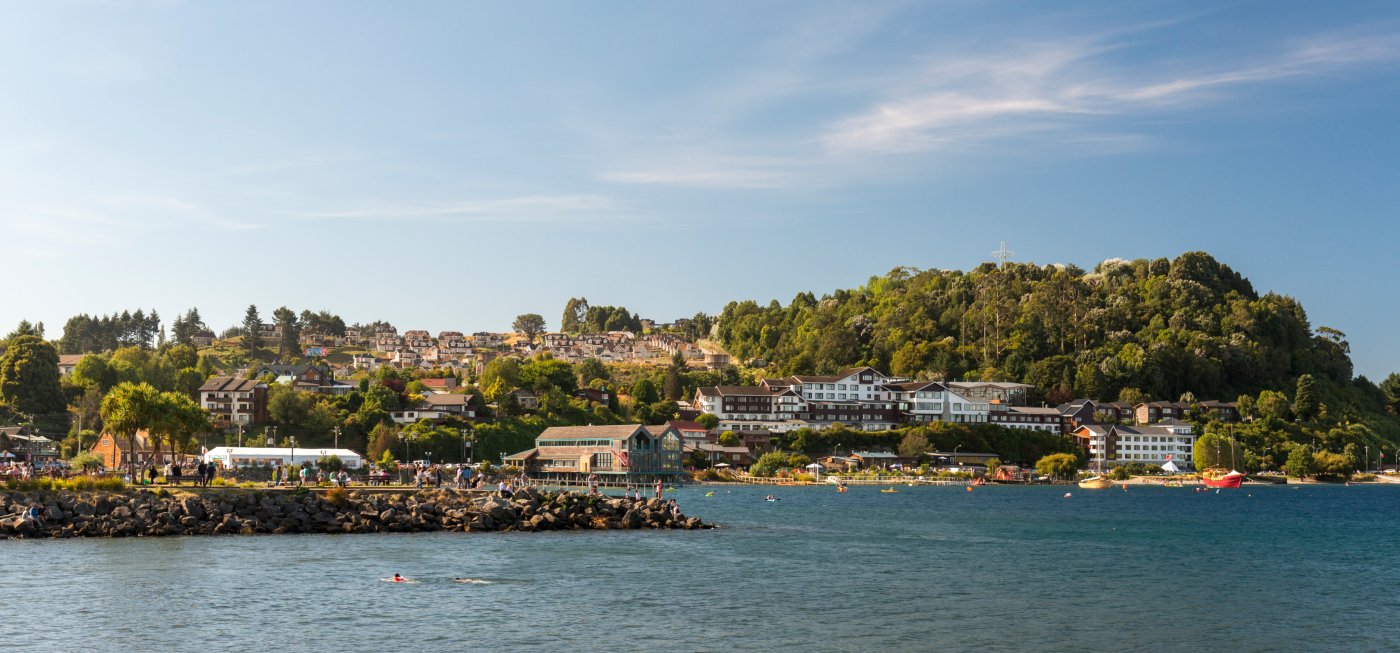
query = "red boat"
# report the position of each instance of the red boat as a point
(1216, 477)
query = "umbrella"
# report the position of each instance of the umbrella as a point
(815, 466)
(722, 465)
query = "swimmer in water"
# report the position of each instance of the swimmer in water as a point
(398, 578)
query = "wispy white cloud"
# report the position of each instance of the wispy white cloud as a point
(556, 208)
(1058, 85)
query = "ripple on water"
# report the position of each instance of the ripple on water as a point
(998, 569)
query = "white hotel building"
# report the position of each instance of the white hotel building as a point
(859, 397)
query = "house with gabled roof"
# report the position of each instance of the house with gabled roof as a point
(618, 455)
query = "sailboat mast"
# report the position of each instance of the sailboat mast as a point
(1232, 449)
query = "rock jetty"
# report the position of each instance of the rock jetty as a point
(144, 513)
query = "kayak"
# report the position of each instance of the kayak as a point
(895, 491)
(772, 499)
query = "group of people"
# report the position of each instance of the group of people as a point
(631, 489)
(203, 473)
(26, 470)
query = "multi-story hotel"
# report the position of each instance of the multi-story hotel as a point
(860, 397)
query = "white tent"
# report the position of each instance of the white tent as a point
(1171, 467)
(240, 456)
(722, 465)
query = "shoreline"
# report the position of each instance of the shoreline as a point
(245, 511)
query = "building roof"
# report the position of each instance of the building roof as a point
(1004, 385)
(611, 431)
(1032, 410)
(915, 386)
(714, 448)
(229, 384)
(70, 359)
(687, 426)
(290, 370)
(740, 390)
(283, 451)
(873, 454)
(524, 455)
(435, 400)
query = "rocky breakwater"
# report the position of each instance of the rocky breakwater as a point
(154, 514)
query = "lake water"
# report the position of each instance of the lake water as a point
(1282, 568)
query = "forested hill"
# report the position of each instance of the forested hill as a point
(1154, 329)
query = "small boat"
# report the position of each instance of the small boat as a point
(772, 499)
(1096, 483)
(890, 490)
(843, 489)
(1216, 477)
(710, 493)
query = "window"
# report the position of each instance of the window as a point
(841, 387)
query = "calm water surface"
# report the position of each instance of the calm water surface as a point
(1278, 568)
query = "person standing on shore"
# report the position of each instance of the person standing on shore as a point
(592, 483)
(658, 488)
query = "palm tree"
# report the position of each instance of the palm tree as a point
(189, 418)
(128, 408)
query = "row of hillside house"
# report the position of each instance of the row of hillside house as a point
(1109, 444)
(617, 455)
(26, 446)
(862, 398)
(307, 378)
(232, 400)
(613, 347)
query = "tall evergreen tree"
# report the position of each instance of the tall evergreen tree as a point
(1305, 404)
(287, 319)
(252, 340)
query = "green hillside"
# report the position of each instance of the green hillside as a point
(1138, 329)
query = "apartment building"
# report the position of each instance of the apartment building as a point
(234, 400)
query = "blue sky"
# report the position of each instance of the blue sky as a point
(449, 165)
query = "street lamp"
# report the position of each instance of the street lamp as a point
(429, 456)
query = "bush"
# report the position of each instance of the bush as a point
(110, 484)
(338, 496)
(220, 482)
(1136, 469)
(1119, 473)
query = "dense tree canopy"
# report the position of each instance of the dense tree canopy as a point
(29, 376)
(1160, 328)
